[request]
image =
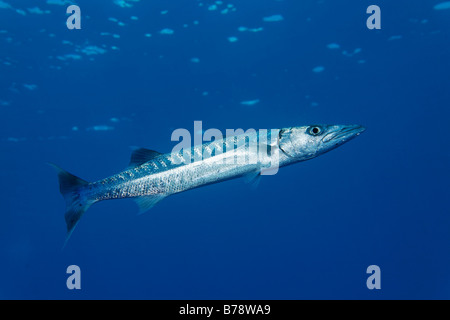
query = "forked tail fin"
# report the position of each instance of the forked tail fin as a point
(71, 187)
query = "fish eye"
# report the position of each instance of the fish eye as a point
(315, 130)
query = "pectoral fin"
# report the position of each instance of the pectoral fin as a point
(253, 178)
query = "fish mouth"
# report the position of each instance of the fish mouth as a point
(343, 134)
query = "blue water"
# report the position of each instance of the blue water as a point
(81, 98)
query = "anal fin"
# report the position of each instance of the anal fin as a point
(145, 203)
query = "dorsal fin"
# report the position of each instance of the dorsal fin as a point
(141, 156)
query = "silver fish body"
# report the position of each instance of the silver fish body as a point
(171, 173)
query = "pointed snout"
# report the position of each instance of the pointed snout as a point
(343, 134)
(355, 129)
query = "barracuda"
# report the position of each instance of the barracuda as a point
(152, 176)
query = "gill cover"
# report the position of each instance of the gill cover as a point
(285, 143)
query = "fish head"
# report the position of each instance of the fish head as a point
(307, 142)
